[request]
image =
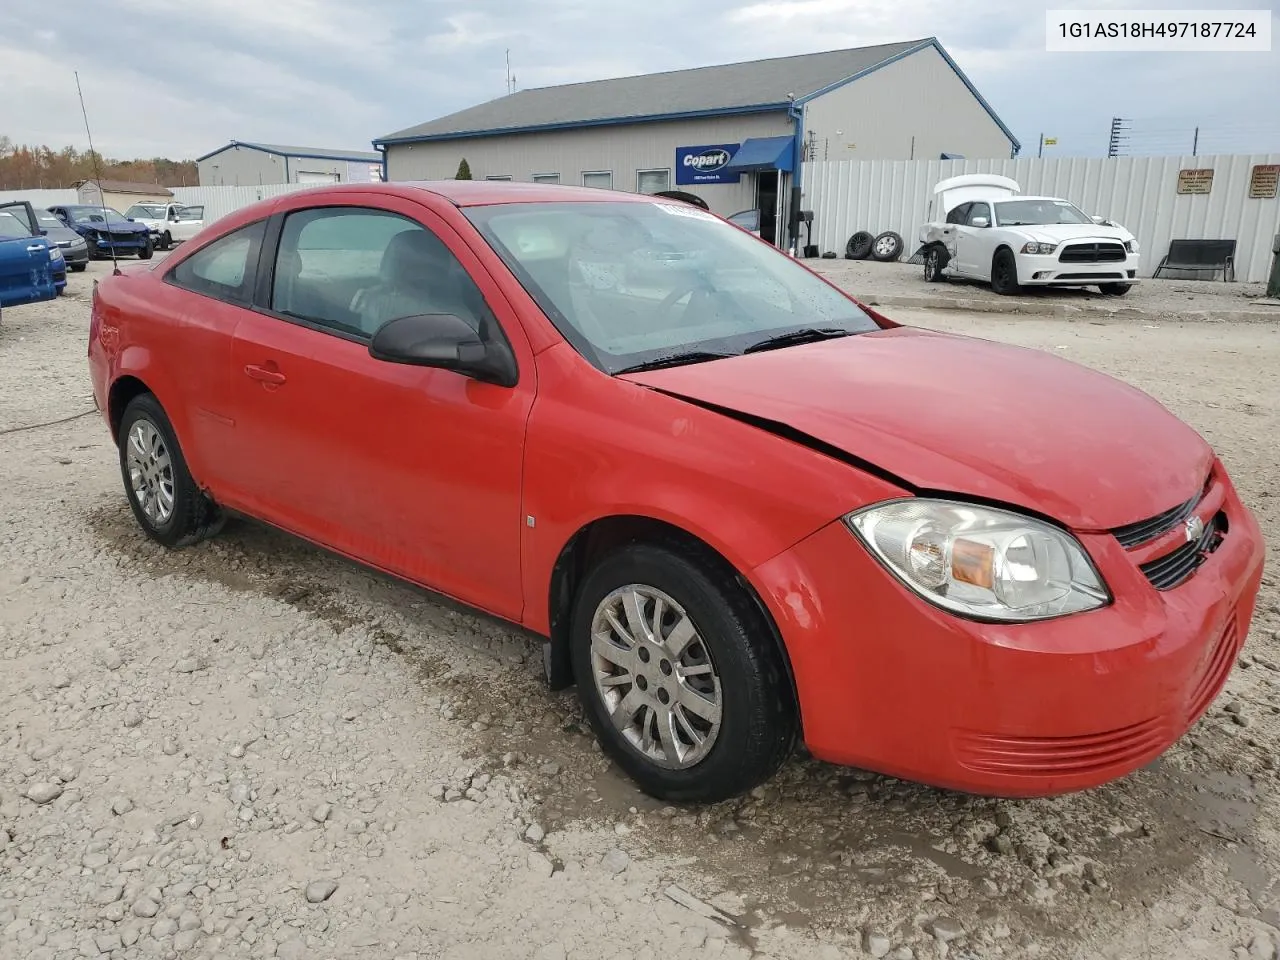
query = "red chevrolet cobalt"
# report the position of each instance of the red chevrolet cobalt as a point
(741, 507)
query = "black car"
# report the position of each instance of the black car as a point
(74, 249)
(106, 231)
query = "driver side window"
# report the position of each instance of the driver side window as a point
(959, 214)
(351, 269)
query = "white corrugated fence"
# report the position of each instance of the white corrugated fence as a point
(1138, 192)
(217, 201)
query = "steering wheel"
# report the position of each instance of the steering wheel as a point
(693, 286)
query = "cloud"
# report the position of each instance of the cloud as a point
(181, 79)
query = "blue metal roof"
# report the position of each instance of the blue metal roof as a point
(763, 153)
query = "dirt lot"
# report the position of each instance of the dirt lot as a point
(252, 749)
(903, 283)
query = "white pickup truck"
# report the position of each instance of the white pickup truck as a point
(169, 223)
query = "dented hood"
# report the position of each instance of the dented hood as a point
(959, 415)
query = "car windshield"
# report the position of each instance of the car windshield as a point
(1034, 213)
(92, 215)
(190, 213)
(146, 211)
(630, 283)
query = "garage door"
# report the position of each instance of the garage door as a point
(307, 176)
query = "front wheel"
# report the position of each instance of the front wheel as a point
(77, 267)
(935, 258)
(147, 249)
(679, 675)
(1115, 289)
(1004, 273)
(165, 500)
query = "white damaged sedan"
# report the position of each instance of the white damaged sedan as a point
(993, 234)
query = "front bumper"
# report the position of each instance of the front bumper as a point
(103, 247)
(1035, 270)
(889, 683)
(75, 255)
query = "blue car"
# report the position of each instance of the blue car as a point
(106, 231)
(31, 268)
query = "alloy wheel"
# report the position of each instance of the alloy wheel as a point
(655, 677)
(150, 472)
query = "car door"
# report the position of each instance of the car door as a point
(414, 470)
(25, 269)
(976, 241)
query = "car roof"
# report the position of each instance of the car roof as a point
(471, 193)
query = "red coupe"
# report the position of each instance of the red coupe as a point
(741, 506)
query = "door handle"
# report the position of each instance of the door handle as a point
(255, 372)
(34, 247)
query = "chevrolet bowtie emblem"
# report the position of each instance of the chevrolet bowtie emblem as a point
(1194, 529)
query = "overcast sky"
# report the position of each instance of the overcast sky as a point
(181, 78)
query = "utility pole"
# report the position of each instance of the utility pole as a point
(509, 85)
(1195, 142)
(1118, 138)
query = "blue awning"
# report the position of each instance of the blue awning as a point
(763, 153)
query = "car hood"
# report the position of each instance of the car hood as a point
(959, 415)
(130, 227)
(1060, 232)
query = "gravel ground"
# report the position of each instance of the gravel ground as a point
(252, 749)
(1161, 297)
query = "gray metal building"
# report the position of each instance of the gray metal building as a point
(736, 135)
(244, 164)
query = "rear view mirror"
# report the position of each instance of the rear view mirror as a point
(446, 342)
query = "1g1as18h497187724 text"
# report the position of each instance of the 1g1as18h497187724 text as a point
(1158, 30)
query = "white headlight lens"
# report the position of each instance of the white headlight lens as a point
(979, 561)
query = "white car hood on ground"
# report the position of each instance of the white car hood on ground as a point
(1062, 232)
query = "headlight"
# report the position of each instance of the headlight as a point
(1039, 248)
(1131, 246)
(981, 562)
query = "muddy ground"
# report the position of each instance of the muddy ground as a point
(194, 746)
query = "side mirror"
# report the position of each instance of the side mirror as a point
(446, 342)
(43, 232)
(979, 222)
(1097, 219)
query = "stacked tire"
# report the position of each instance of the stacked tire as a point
(885, 247)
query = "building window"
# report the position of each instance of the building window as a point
(546, 178)
(653, 181)
(600, 179)
(497, 178)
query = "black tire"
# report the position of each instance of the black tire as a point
(77, 267)
(859, 246)
(887, 247)
(166, 240)
(935, 259)
(1115, 289)
(1004, 273)
(147, 250)
(194, 516)
(759, 724)
(95, 252)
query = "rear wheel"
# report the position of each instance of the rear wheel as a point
(1004, 273)
(165, 500)
(679, 675)
(1115, 289)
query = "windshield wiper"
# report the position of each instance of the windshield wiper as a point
(676, 360)
(807, 335)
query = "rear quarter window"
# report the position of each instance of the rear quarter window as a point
(226, 268)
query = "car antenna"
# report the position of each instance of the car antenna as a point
(97, 173)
